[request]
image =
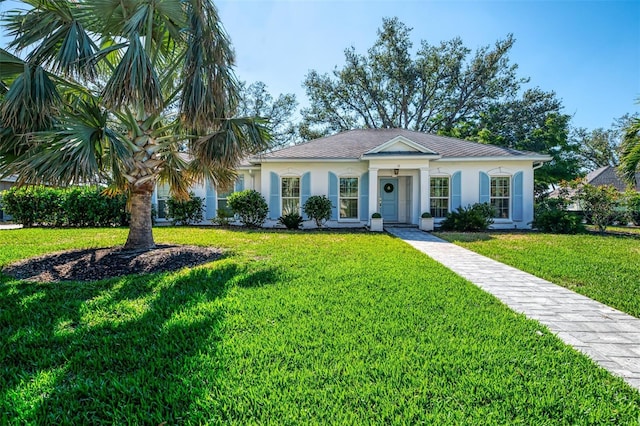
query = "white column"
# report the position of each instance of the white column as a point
(424, 190)
(373, 192)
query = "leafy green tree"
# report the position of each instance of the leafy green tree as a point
(601, 147)
(389, 87)
(256, 101)
(598, 203)
(598, 147)
(120, 91)
(534, 122)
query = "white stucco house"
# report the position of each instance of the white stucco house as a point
(398, 173)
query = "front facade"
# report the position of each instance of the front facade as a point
(395, 172)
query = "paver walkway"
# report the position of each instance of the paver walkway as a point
(608, 336)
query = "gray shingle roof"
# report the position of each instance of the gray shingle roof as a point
(607, 176)
(353, 144)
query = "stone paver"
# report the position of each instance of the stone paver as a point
(609, 337)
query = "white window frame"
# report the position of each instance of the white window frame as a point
(222, 196)
(448, 197)
(357, 198)
(162, 198)
(502, 197)
(283, 198)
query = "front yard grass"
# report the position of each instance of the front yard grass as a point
(288, 328)
(603, 267)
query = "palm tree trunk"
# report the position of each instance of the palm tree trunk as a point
(140, 227)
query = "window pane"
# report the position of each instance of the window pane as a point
(502, 207)
(349, 208)
(290, 205)
(291, 187)
(500, 187)
(348, 187)
(163, 191)
(439, 207)
(440, 187)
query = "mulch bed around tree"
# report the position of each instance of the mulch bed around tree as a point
(100, 263)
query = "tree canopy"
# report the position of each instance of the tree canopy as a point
(388, 87)
(256, 101)
(126, 91)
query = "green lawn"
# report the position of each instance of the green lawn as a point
(603, 267)
(288, 328)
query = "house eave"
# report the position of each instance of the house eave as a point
(537, 158)
(380, 156)
(302, 160)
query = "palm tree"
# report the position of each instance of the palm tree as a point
(130, 92)
(630, 152)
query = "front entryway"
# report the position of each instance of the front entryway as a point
(389, 199)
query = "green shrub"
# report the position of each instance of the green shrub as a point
(223, 217)
(474, 218)
(187, 212)
(426, 215)
(376, 215)
(318, 208)
(77, 207)
(291, 220)
(632, 205)
(599, 204)
(250, 206)
(551, 215)
(88, 206)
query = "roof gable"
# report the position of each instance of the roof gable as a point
(400, 144)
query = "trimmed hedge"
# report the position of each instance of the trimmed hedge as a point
(73, 207)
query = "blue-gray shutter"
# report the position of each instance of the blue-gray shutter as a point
(305, 190)
(518, 198)
(456, 191)
(333, 195)
(485, 187)
(274, 196)
(364, 196)
(210, 202)
(239, 183)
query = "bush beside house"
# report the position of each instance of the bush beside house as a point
(250, 206)
(73, 207)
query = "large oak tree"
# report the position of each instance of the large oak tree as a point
(389, 87)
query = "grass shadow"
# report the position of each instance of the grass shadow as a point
(137, 349)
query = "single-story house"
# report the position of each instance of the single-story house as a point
(398, 173)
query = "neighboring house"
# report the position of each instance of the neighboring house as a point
(5, 184)
(608, 176)
(396, 172)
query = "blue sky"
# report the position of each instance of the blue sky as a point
(588, 52)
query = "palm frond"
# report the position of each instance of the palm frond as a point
(210, 86)
(223, 150)
(134, 82)
(30, 102)
(81, 149)
(57, 39)
(630, 153)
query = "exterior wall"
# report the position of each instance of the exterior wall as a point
(319, 185)
(249, 179)
(470, 174)
(413, 186)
